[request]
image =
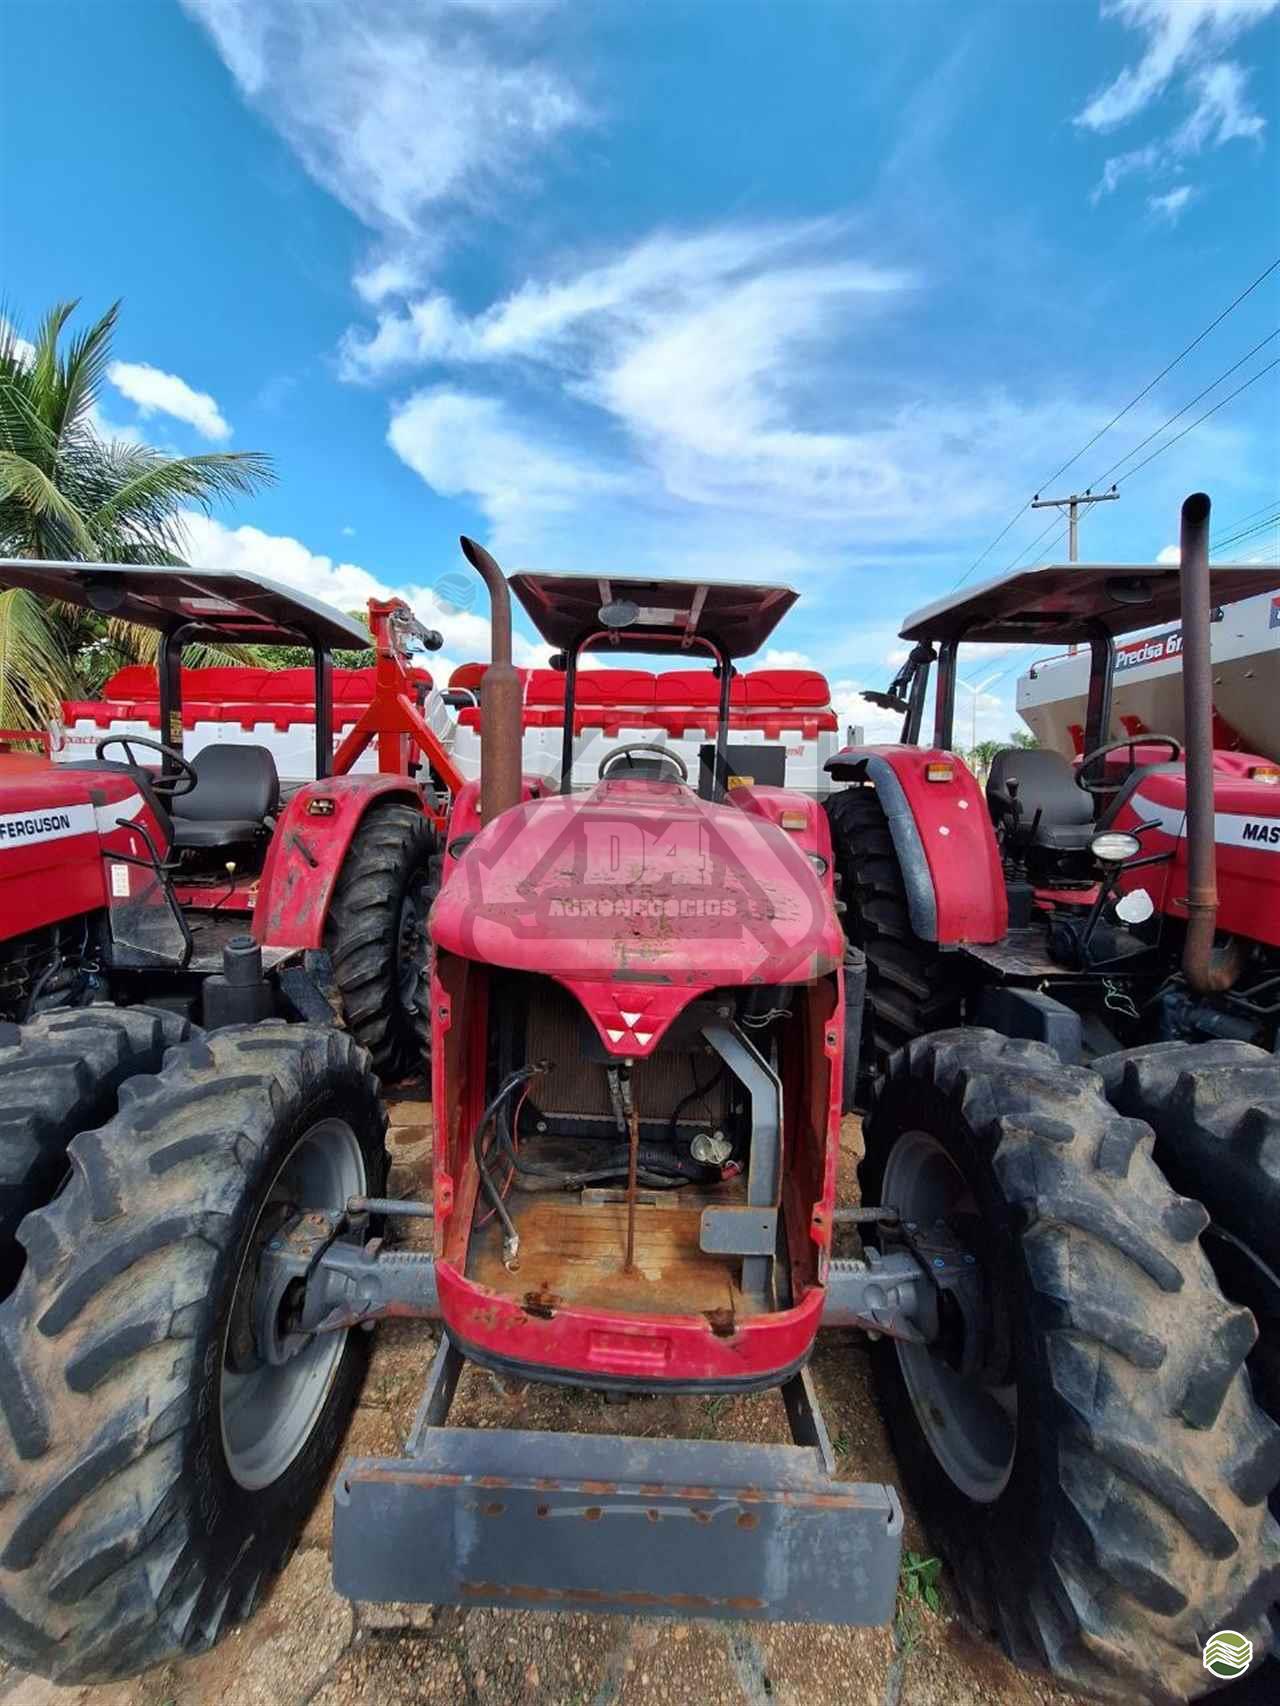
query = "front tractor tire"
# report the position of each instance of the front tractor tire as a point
(911, 986)
(59, 1073)
(377, 937)
(1084, 1446)
(156, 1466)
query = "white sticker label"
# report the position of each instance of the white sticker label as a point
(1230, 829)
(45, 823)
(120, 881)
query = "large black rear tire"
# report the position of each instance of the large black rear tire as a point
(1215, 1110)
(144, 1506)
(1124, 1515)
(60, 1073)
(912, 988)
(377, 937)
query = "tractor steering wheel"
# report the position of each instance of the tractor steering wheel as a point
(166, 786)
(1095, 785)
(651, 746)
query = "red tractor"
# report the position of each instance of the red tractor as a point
(1120, 917)
(641, 1003)
(142, 890)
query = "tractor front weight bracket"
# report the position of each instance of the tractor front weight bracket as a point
(608, 1523)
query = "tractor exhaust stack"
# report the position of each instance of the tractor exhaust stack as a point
(500, 709)
(1207, 971)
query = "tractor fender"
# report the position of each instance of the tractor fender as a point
(308, 848)
(942, 836)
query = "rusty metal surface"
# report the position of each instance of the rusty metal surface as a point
(573, 1251)
(674, 1528)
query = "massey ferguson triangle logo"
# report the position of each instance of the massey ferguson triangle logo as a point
(646, 879)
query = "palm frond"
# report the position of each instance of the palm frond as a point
(35, 672)
(83, 369)
(152, 486)
(30, 486)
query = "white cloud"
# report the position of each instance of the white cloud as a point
(468, 446)
(737, 377)
(154, 391)
(1182, 38)
(393, 275)
(398, 107)
(1221, 113)
(614, 300)
(1171, 206)
(348, 586)
(1122, 166)
(1170, 554)
(1178, 32)
(22, 349)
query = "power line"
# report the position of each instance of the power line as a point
(1241, 519)
(1169, 443)
(1182, 411)
(1247, 291)
(1248, 532)
(1133, 401)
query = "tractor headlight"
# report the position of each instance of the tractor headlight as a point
(1113, 847)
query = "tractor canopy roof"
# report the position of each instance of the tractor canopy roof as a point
(652, 615)
(1057, 605)
(209, 604)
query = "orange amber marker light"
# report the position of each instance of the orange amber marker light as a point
(937, 772)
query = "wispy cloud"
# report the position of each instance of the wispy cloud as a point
(474, 447)
(348, 586)
(1178, 33)
(400, 108)
(735, 372)
(1171, 206)
(155, 392)
(1183, 37)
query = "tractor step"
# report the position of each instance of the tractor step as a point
(674, 1528)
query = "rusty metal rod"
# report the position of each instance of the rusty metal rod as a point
(1207, 970)
(501, 734)
(633, 1155)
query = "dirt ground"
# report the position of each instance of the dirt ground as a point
(308, 1647)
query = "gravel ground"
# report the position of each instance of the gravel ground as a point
(308, 1647)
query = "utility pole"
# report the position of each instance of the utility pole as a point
(1072, 505)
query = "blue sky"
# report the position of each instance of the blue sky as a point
(815, 290)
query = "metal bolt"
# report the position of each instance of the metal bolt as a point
(971, 1258)
(911, 1226)
(938, 1262)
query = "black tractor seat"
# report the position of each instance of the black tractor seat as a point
(1046, 784)
(236, 792)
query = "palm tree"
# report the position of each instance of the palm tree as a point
(68, 491)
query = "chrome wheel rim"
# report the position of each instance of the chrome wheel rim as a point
(268, 1413)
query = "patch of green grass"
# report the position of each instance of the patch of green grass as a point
(716, 1406)
(918, 1591)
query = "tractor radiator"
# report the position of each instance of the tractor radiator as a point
(558, 1030)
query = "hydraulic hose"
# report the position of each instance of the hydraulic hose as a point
(513, 1080)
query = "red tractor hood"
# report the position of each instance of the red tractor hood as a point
(640, 883)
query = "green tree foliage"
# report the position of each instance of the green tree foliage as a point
(68, 492)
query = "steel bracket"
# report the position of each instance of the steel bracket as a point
(590, 1522)
(884, 1293)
